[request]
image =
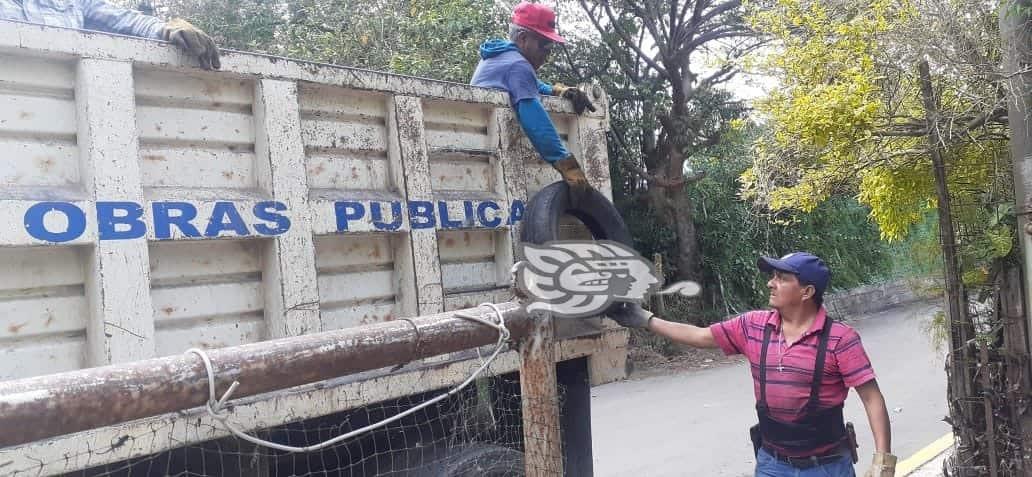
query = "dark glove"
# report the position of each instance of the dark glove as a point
(631, 315)
(574, 176)
(197, 43)
(579, 98)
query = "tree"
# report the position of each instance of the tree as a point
(849, 115)
(656, 46)
(903, 103)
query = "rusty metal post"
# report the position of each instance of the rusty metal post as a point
(542, 443)
(45, 406)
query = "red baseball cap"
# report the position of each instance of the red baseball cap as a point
(537, 17)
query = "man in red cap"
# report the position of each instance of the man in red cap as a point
(510, 65)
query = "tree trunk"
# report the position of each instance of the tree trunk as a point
(673, 207)
(1016, 37)
(960, 329)
(687, 241)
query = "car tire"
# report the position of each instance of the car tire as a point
(599, 215)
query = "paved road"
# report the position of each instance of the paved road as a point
(696, 423)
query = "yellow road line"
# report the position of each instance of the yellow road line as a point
(925, 455)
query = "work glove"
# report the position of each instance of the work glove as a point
(196, 43)
(574, 177)
(579, 98)
(631, 315)
(884, 465)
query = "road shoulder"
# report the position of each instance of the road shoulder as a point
(928, 461)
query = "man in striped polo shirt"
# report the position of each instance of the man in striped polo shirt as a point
(801, 430)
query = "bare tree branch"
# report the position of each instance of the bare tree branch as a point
(632, 72)
(623, 35)
(725, 73)
(701, 18)
(717, 34)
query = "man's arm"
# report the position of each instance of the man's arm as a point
(544, 88)
(884, 463)
(542, 134)
(539, 129)
(634, 316)
(103, 16)
(877, 415)
(684, 333)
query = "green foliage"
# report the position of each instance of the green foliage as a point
(442, 37)
(432, 38)
(919, 254)
(733, 234)
(938, 330)
(849, 116)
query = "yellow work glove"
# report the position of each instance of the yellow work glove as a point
(196, 43)
(579, 98)
(574, 177)
(571, 172)
(884, 465)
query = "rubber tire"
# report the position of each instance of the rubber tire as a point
(484, 460)
(541, 219)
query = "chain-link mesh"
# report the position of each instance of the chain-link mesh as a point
(479, 431)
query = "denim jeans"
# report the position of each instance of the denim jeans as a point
(768, 466)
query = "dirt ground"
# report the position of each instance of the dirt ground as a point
(645, 363)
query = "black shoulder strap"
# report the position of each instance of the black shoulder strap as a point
(763, 363)
(818, 369)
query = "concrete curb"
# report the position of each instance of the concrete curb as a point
(924, 456)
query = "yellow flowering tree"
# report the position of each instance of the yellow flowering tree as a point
(903, 104)
(848, 115)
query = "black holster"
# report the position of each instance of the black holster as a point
(757, 439)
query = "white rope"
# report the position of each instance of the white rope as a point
(215, 407)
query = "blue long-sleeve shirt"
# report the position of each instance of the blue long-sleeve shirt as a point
(503, 67)
(82, 14)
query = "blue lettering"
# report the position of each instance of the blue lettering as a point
(224, 216)
(442, 208)
(164, 220)
(467, 209)
(109, 222)
(482, 214)
(515, 212)
(267, 211)
(38, 230)
(377, 215)
(347, 211)
(421, 209)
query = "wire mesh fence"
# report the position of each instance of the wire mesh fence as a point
(985, 352)
(478, 431)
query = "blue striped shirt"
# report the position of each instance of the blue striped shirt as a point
(82, 14)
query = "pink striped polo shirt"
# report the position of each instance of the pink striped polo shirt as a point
(788, 388)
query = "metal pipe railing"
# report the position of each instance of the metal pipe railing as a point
(46, 406)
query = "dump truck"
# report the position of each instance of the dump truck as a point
(314, 231)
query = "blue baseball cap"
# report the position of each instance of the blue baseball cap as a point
(810, 270)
